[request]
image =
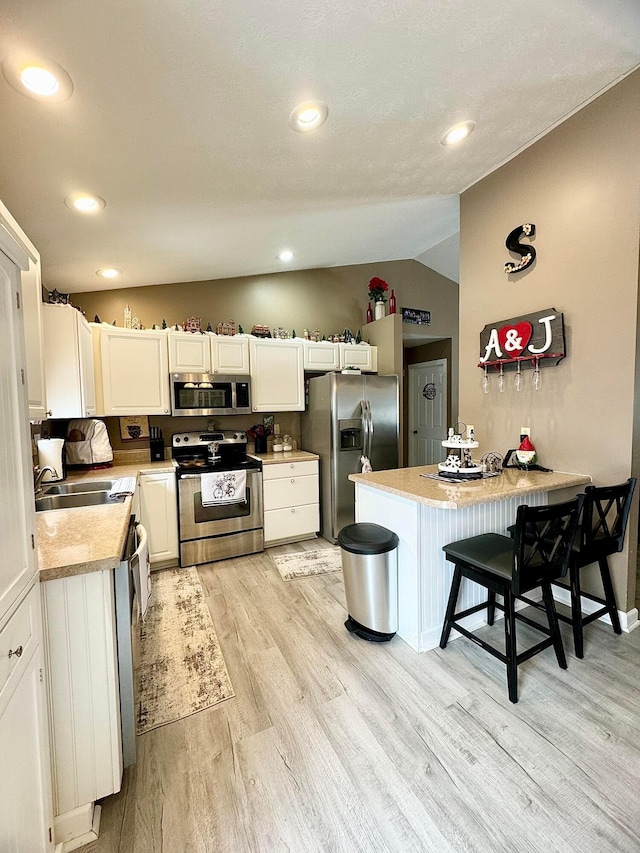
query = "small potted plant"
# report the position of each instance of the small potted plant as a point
(377, 290)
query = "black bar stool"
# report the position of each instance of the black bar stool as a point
(602, 531)
(538, 553)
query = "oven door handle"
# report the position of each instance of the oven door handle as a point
(189, 476)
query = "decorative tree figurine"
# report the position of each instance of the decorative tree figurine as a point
(97, 319)
(164, 324)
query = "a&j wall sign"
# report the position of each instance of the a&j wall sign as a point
(533, 340)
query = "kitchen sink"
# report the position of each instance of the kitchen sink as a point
(78, 488)
(72, 501)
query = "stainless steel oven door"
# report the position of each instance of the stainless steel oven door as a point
(200, 522)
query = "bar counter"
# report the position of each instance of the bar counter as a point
(427, 514)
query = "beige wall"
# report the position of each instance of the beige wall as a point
(328, 299)
(579, 185)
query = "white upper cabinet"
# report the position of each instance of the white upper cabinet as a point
(192, 353)
(189, 353)
(365, 358)
(229, 354)
(321, 356)
(68, 363)
(132, 371)
(31, 287)
(277, 375)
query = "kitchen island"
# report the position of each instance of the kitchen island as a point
(427, 514)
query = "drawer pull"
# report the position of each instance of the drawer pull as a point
(17, 653)
(293, 465)
(293, 509)
(292, 480)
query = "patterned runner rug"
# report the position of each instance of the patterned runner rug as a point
(307, 563)
(181, 669)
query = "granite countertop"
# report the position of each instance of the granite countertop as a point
(90, 538)
(285, 456)
(407, 483)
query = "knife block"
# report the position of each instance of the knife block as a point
(156, 448)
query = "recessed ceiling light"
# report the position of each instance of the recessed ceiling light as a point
(41, 79)
(308, 116)
(109, 272)
(84, 202)
(285, 256)
(457, 133)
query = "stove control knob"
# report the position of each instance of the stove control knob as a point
(177, 439)
(186, 438)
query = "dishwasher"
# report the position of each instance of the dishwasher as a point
(132, 592)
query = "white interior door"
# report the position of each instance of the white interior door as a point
(427, 411)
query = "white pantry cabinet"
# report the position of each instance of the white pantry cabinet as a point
(31, 300)
(321, 356)
(26, 814)
(189, 352)
(159, 517)
(71, 390)
(26, 819)
(132, 371)
(365, 358)
(291, 501)
(230, 354)
(277, 375)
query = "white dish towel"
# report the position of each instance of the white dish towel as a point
(223, 487)
(141, 570)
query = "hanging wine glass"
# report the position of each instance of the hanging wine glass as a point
(537, 377)
(485, 380)
(518, 377)
(501, 379)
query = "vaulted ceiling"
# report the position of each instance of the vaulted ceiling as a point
(179, 120)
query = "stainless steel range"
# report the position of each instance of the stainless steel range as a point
(217, 526)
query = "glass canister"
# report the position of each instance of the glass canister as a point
(277, 443)
(287, 443)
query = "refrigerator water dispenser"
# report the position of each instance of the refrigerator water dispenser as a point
(350, 434)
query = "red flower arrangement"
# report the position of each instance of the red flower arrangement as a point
(377, 289)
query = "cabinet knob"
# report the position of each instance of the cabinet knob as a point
(293, 509)
(292, 465)
(292, 480)
(16, 653)
(49, 413)
(166, 411)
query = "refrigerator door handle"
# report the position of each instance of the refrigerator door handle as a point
(370, 430)
(365, 427)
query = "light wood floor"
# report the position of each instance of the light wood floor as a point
(335, 744)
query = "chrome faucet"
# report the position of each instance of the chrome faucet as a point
(38, 474)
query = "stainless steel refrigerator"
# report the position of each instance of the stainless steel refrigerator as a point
(348, 417)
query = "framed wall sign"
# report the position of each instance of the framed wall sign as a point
(416, 315)
(134, 428)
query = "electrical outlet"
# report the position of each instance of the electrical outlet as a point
(276, 429)
(524, 431)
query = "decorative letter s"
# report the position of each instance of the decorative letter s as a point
(527, 253)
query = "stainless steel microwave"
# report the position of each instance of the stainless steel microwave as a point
(210, 394)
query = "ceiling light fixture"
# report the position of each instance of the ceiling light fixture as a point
(84, 202)
(308, 115)
(40, 79)
(457, 133)
(285, 256)
(109, 272)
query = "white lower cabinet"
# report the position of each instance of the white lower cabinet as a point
(291, 501)
(159, 517)
(84, 700)
(26, 815)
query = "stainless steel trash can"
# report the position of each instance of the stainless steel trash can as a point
(369, 555)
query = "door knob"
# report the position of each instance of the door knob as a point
(415, 432)
(17, 653)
